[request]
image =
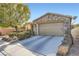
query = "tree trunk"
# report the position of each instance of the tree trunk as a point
(16, 28)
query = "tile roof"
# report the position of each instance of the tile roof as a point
(68, 16)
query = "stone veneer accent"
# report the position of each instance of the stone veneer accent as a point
(64, 48)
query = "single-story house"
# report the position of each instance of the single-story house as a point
(28, 26)
(52, 24)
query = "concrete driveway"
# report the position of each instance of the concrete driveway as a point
(42, 45)
(35, 46)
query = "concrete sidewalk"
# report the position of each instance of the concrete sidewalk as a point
(18, 50)
(13, 49)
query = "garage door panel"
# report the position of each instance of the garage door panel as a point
(51, 29)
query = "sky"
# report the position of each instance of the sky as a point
(39, 9)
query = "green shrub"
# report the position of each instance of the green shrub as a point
(3, 25)
(21, 35)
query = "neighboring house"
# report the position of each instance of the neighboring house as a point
(28, 26)
(52, 24)
(5, 31)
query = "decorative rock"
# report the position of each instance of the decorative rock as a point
(14, 39)
(63, 50)
(10, 39)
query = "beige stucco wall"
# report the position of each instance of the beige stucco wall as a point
(28, 26)
(35, 29)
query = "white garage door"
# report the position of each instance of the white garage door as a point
(51, 29)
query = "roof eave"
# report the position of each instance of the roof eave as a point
(74, 17)
(71, 17)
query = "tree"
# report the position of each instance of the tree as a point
(14, 14)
